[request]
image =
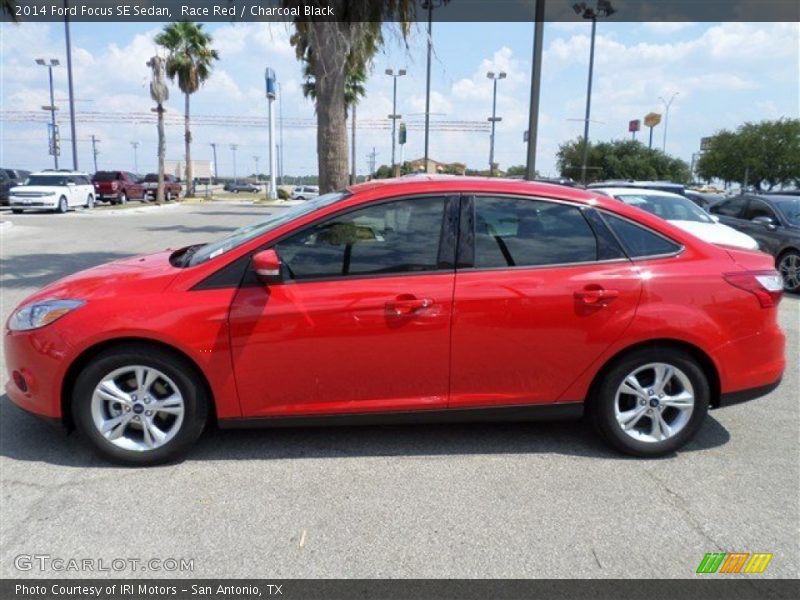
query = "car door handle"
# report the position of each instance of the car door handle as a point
(596, 295)
(407, 304)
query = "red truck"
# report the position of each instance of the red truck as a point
(117, 187)
(172, 187)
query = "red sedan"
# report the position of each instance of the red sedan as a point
(420, 299)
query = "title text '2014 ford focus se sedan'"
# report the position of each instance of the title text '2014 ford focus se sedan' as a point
(419, 299)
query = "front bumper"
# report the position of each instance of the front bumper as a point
(16, 202)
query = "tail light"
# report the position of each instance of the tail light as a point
(767, 286)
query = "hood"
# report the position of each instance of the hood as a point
(147, 274)
(717, 233)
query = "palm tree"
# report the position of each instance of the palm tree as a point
(332, 49)
(159, 92)
(189, 61)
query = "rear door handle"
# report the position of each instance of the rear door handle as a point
(407, 304)
(596, 295)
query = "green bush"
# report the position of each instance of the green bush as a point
(283, 194)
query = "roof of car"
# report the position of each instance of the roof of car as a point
(60, 172)
(637, 190)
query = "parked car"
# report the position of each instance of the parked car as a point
(305, 192)
(703, 199)
(682, 213)
(117, 187)
(419, 299)
(172, 187)
(52, 190)
(663, 186)
(774, 221)
(241, 186)
(8, 179)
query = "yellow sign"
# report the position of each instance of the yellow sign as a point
(652, 119)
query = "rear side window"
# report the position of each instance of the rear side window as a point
(640, 242)
(729, 208)
(518, 232)
(401, 236)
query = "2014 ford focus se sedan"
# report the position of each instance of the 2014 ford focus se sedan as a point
(419, 299)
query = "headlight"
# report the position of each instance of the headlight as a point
(41, 313)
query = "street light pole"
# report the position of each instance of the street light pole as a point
(216, 169)
(666, 118)
(428, 5)
(233, 149)
(494, 118)
(604, 9)
(536, 81)
(394, 116)
(52, 108)
(135, 157)
(71, 93)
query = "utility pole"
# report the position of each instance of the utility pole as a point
(604, 9)
(280, 134)
(394, 116)
(54, 142)
(135, 157)
(216, 170)
(95, 152)
(233, 149)
(255, 158)
(428, 4)
(536, 82)
(71, 93)
(494, 118)
(371, 157)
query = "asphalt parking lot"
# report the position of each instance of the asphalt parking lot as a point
(485, 500)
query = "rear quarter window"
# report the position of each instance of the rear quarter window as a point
(638, 241)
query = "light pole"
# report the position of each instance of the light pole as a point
(280, 133)
(666, 104)
(536, 81)
(429, 5)
(603, 9)
(135, 157)
(255, 158)
(494, 118)
(233, 149)
(53, 62)
(270, 81)
(70, 88)
(216, 170)
(394, 116)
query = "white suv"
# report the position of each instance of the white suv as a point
(52, 190)
(305, 192)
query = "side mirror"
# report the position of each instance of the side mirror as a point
(767, 222)
(267, 265)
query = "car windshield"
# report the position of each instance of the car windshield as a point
(152, 177)
(669, 208)
(105, 176)
(46, 180)
(249, 232)
(790, 207)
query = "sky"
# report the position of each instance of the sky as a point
(724, 74)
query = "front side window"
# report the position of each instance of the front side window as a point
(401, 236)
(758, 208)
(640, 242)
(517, 232)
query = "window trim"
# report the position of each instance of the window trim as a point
(469, 204)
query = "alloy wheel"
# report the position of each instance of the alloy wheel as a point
(137, 408)
(654, 402)
(789, 268)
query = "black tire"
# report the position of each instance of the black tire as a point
(789, 259)
(123, 198)
(600, 409)
(177, 368)
(63, 206)
(168, 196)
(16, 211)
(89, 202)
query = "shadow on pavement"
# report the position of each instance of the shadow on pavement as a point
(36, 270)
(24, 437)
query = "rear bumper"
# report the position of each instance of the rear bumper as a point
(731, 398)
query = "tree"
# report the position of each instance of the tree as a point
(190, 61)
(763, 154)
(620, 160)
(332, 49)
(516, 171)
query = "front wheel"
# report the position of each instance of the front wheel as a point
(139, 405)
(789, 268)
(651, 403)
(89, 202)
(62, 205)
(123, 198)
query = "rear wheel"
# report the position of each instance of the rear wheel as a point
(139, 405)
(789, 268)
(651, 403)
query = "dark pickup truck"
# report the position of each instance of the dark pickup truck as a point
(117, 187)
(172, 187)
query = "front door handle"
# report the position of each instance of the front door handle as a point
(407, 304)
(595, 295)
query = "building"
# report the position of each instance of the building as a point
(434, 166)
